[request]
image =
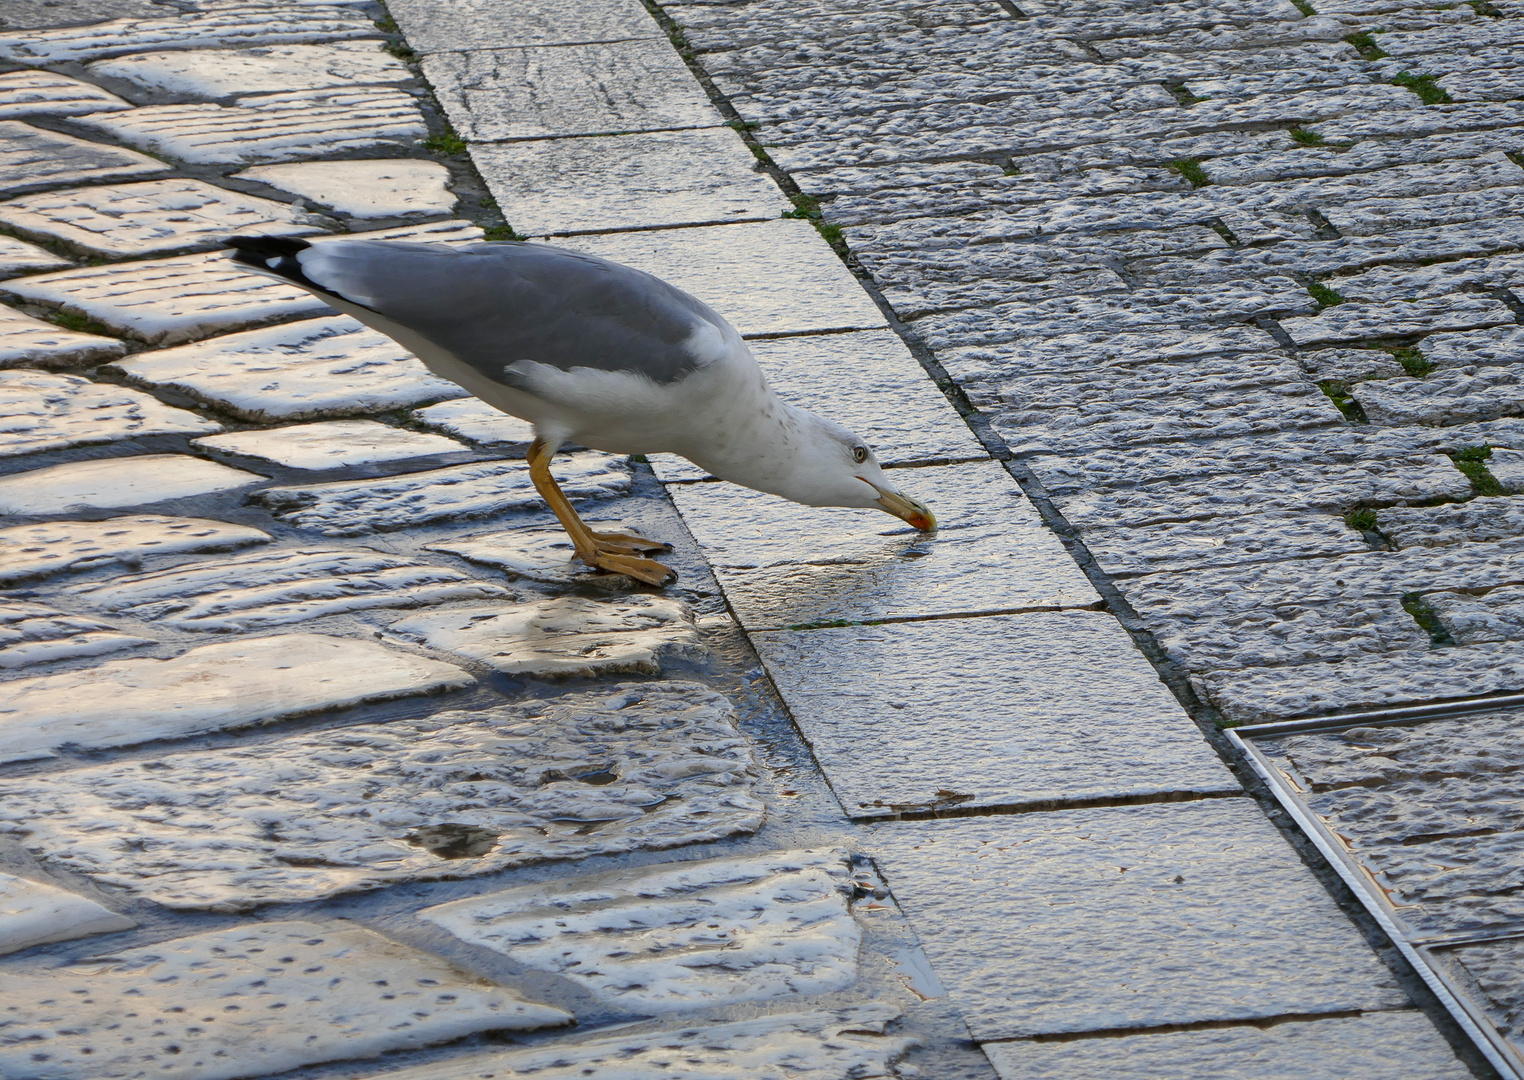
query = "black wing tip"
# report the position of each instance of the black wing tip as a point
(272, 254)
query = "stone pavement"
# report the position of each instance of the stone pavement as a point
(1195, 325)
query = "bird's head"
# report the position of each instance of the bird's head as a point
(836, 468)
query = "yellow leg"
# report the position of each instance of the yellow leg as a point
(604, 551)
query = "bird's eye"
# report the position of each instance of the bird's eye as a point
(859, 454)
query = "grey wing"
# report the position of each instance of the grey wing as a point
(493, 304)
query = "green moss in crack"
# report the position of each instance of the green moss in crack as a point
(1362, 519)
(388, 25)
(1428, 91)
(446, 142)
(824, 624)
(742, 125)
(1304, 7)
(401, 51)
(1191, 169)
(79, 322)
(1472, 460)
(1427, 619)
(1324, 295)
(1303, 137)
(1183, 95)
(501, 232)
(1412, 361)
(1366, 46)
(1338, 393)
(1482, 7)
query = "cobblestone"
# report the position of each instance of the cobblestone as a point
(332, 445)
(25, 340)
(364, 189)
(34, 159)
(107, 483)
(30, 551)
(27, 93)
(45, 411)
(36, 913)
(224, 73)
(37, 634)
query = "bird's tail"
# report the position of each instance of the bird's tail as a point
(272, 255)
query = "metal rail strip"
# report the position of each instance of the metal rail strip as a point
(1420, 949)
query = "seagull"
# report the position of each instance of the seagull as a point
(594, 353)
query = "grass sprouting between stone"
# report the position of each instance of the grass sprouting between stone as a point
(446, 142)
(1366, 46)
(1303, 137)
(1412, 361)
(1472, 460)
(1338, 393)
(1428, 91)
(1324, 295)
(1426, 618)
(1191, 169)
(79, 322)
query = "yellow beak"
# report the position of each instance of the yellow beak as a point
(903, 506)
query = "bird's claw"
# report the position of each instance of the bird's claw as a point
(615, 562)
(628, 543)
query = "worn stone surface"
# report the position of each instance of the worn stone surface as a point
(541, 22)
(561, 637)
(25, 340)
(215, 1005)
(36, 634)
(32, 159)
(1126, 917)
(275, 588)
(1495, 345)
(680, 935)
(19, 257)
(268, 69)
(1375, 1045)
(149, 218)
(364, 189)
(1445, 398)
(111, 482)
(702, 177)
(351, 508)
(299, 371)
(227, 685)
(1426, 809)
(331, 445)
(925, 714)
(43, 411)
(27, 93)
(272, 127)
(848, 378)
(849, 1040)
(451, 795)
(534, 92)
(1230, 540)
(1493, 967)
(169, 301)
(55, 547)
(36, 913)
(213, 23)
(782, 564)
(471, 418)
(772, 277)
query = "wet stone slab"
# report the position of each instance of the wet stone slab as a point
(298, 371)
(352, 508)
(783, 564)
(848, 378)
(1355, 322)
(271, 127)
(540, 22)
(532, 93)
(169, 301)
(1377, 1044)
(266, 997)
(1126, 917)
(1221, 541)
(32, 159)
(276, 588)
(331, 445)
(385, 187)
(37, 634)
(678, 936)
(218, 22)
(772, 277)
(921, 715)
(456, 794)
(1493, 968)
(36, 913)
(561, 637)
(471, 418)
(106, 483)
(1429, 810)
(56, 547)
(211, 688)
(43, 411)
(703, 177)
(268, 69)
(27, 93)
(851, 1040)
(149, 218)
(25, 340)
